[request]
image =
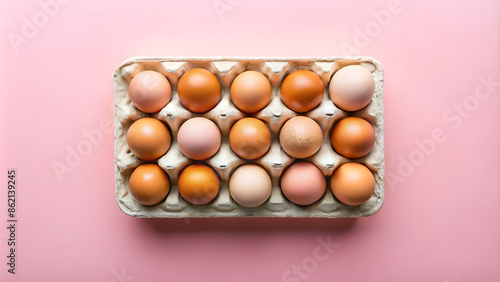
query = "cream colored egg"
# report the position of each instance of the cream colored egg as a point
(250, 185)
(352, 88)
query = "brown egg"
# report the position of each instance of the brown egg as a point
(352, 184)
(199, 90)
(250, 138)
(149, 184)
(301, 137)
(302, 91)
(198, 184)
(250, 91)
(353, 137)
(149, 91)
(148, 138)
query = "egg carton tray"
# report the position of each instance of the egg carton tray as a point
(225, 114)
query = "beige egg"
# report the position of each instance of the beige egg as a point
(352, 88)
(250, 185)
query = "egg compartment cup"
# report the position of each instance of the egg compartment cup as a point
(225, 114)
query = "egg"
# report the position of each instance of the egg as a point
(302, 91)
(301, 137)
(353, 137)
(250, 91)
(198, 184)
(149, 184)
(250, 138)
(199, 90)
(149, 91)
(353, 184)
(250, 185)
(352, 88)
(148, 138)
(303, 183)
(199, 138)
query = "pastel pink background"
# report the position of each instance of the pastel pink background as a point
(441, 217)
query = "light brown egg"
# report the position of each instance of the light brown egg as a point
(148, 138)
(198, 184)
(353, 137)
(149, 184)
(199, 90)
(352, 88)
(250, 138)
(302, 91)
(149, 91)
(250, 91)
(301, 137)
(352, 184)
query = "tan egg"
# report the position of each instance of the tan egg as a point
(199, 90)
(352, 184)
(302, 91)
(352, 88)
(148, 138)
(250, 91)
(250, 138)
(149, 91)
(353, 137)
(301, 137)
(198, 184)
(149, 184)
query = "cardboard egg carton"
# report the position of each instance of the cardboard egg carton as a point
(225, 114)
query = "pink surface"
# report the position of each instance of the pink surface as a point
(441, 216)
